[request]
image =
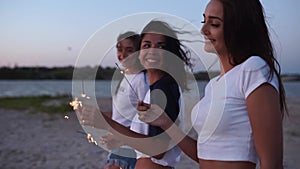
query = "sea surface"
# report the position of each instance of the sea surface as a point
(98, 88)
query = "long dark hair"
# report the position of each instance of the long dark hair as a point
(173, 45)
(246, 34)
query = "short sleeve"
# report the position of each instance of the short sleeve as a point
(254, 73)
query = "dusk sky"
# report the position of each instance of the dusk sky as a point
(53, 32)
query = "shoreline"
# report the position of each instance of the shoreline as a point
(49, 141)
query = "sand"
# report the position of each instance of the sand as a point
(42, 141)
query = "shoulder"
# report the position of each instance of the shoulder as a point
(168, 85)
(165, 82)
(140, 77)
(254, 72)
(254, 63)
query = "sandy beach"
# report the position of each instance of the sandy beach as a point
(42, 141)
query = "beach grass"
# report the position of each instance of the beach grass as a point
(37, 104)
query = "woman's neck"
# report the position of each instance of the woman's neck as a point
(132, 70)
(154, 75)
(225, 64)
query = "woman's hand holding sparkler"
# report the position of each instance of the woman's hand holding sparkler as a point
(91, 116)
(111, 141)
(153, 115)
(88, 113)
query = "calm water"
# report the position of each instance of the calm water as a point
(11, 88)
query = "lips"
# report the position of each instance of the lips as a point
(209, 40)
(151, 60)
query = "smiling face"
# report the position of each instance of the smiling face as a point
(213, 28)
(125, 50)
(152, 53)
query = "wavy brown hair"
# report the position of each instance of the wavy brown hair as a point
(246, 34)
(174, 46)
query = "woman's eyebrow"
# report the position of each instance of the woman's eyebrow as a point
(213, 17)
(146, 41)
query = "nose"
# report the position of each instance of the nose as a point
(204, 30)
(154, 49)
(122, 55)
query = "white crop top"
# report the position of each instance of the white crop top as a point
(221, 118)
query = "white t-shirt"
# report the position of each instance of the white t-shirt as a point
(221, 118)
(172, 155)
(125, 101)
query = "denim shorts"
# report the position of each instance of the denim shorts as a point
(125, 161)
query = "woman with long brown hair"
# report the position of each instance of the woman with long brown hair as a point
(239, 120)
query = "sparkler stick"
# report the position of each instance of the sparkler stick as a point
(122, 72)
(82, 88)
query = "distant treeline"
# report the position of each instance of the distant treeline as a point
(59, 73)
(66, 73)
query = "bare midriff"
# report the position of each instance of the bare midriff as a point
(212, 164)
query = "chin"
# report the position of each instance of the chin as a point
(153, 66)
(209, 49)
(122, 64)
(125, 66)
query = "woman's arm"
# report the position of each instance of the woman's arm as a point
(153, 146)
(266, 120)
(157, 117)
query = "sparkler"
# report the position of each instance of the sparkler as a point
(88, 136)
(123, 73)
(82, 87)
(76, 103)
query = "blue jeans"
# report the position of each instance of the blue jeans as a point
(126, 161)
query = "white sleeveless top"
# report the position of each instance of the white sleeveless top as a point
(221, 118)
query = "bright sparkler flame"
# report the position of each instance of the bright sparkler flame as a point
(75, 103)
(91, 139)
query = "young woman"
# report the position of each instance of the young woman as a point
(248, 128)
(164, 58)
(125, 99)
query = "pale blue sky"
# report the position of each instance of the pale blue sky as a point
(52, 32)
